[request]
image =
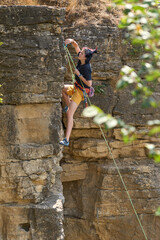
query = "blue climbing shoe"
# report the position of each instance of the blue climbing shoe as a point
(64, 142)
(65, 109)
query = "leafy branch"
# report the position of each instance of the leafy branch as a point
(141, 22)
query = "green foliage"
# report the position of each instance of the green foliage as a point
(99, 88)
(108, 8)
(158, 212)
(153, 153)
(141, 21)
(99, 117)
(154, 130)
(92, 111)
(109, 122)
(128, 77)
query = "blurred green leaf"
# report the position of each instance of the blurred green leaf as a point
(111, 123)
(153, 152)
(156, 157)
(91, 111)
(158, 212)
(153, 75)
(119, 2)
(149, 102)
(126, 70)
(121, 84)
(153, 122)
(146, 56)
(100, 118)
(125, 138)
(129, 139)
(138, 40)
(128, 134)
(138, 7)
(154, 131)
(150, 146)
(99, 88)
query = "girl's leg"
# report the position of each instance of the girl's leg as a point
(72, 108)
(65, 95)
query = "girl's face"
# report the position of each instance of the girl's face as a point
(82, 54)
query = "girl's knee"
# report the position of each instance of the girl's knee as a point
(70, 113)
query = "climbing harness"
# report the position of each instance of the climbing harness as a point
(69, 57)
(85, 92)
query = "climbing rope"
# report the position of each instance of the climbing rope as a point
(68, 55)
(69, 58)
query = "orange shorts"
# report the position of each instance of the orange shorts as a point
(75, 94)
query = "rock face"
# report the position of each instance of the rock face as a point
(96, 204)
(31, 196)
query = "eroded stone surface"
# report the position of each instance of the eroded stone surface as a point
(96, 205)
(31, 197)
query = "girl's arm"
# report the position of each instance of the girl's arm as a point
(88, 83)
(74, 44)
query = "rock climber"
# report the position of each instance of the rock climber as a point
(82, 73)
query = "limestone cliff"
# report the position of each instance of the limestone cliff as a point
(96, 206)
(31, 194)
